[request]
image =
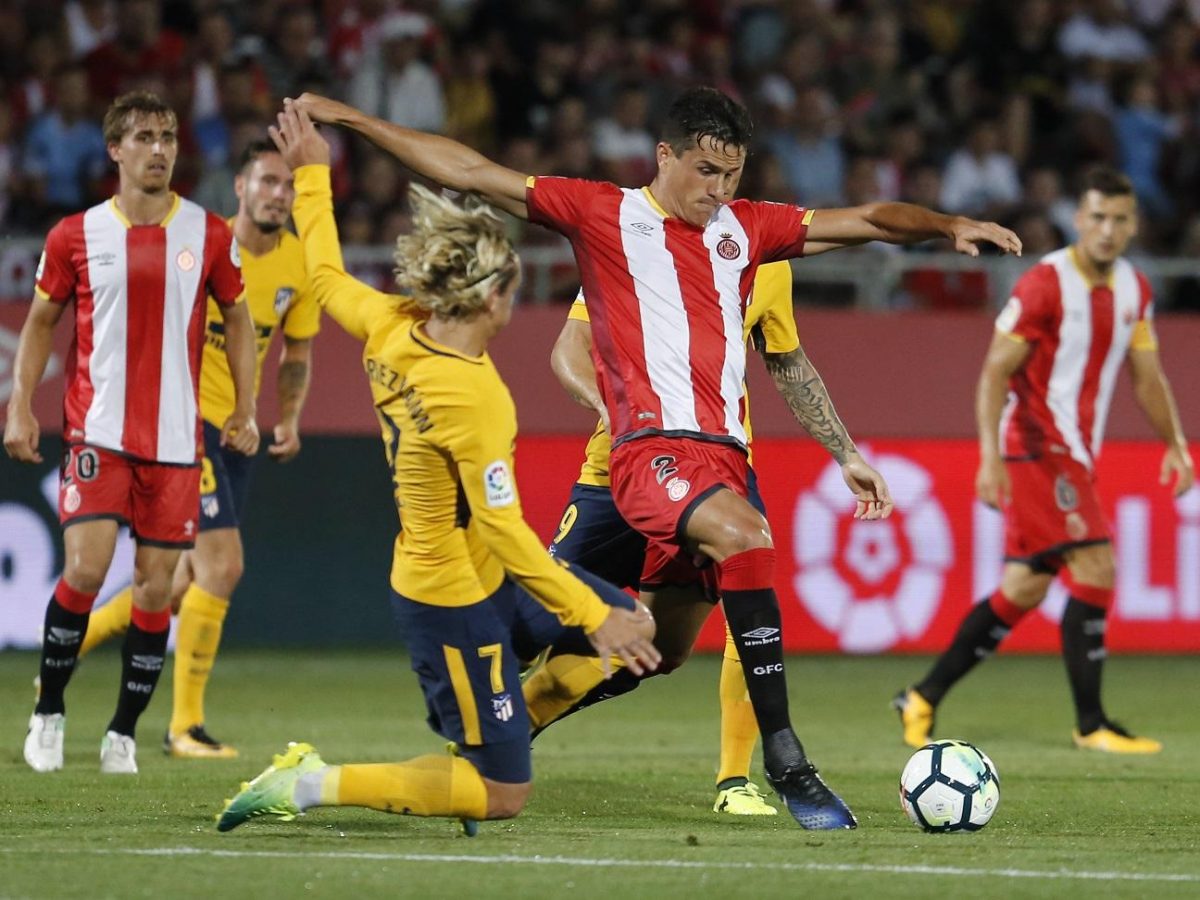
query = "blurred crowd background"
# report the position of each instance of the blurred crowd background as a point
(985, 108)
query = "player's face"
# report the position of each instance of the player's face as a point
(1106, 225)
(701, 181)
(146, 154)
(266, 191)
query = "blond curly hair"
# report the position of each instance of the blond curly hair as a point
(454, 256)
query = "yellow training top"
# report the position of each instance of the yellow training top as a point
(449, 426)
(769, 309)
(276, 291)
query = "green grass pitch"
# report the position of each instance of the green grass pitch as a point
(623, 792)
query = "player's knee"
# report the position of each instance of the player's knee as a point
(1097, 572)
(224, 576)
(749, 532)
(85, 576)
(506, 800)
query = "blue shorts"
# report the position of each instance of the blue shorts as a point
(469, 670)
(593, 535)
(224, 482)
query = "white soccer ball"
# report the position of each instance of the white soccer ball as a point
(949, 786)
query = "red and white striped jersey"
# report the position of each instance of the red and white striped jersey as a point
(667, 300)
(139, 290)
(1080, 334)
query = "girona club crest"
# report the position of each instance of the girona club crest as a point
(727, 247)
(872, 584)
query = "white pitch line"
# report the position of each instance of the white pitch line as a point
(509, 859)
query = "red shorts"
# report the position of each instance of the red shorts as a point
(159, 502)
(1054, 508)
(656, 484)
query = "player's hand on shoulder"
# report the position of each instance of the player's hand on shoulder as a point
(297, 138)
(240, 433)
(1177, 466)
(287, 443)
(968, 234)
(873, 500)
(991, 483)
(628, 634)
(21, 434)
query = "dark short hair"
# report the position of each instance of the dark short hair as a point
(125, 109)
(253, 151)
(1106, 180)
(705, 112)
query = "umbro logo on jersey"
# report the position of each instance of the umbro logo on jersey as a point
(643, 227)
(102, 259)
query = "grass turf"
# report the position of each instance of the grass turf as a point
(623, 792)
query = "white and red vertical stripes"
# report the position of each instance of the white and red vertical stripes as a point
(139, 293)
(1080, 334)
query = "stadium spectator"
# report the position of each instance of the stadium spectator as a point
(622, 142)
(394, 83)
(1143, 131)
(294, 51)
(980, 179)
(1044, 192)
(90, 23)
(140, 52)
(803, 136)
(65, 156)
(130, 428)
(1101, 29)
(10, 156)
(43, 57)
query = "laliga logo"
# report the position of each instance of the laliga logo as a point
(872, 583)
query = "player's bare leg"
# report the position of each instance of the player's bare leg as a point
(983, 628)
(728, 530)
(1090, 584)
(216, 564)
(88, 548)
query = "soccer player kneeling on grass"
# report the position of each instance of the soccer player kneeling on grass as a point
(466, 565)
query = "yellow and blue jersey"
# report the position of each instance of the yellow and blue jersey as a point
(449, 427)
(768, 312)
(277, 294)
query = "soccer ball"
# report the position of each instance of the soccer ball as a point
(949, 786)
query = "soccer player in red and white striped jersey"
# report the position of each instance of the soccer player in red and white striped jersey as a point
(667, 269)
(138, 269)
(1043, 399)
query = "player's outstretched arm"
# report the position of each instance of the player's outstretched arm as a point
(801, 386)
(571, 360)
(21, 429)
(1004, 358)
(1154, 396)
(437, 158)
(240, 430)
(902, 223)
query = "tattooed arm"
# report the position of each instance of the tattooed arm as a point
(801, 386)
(295, 367)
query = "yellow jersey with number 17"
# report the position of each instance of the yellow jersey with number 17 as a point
(277, 293)
(769, 312)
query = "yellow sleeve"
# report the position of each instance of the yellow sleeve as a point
(357, 307)
(579, 311)
(1143, 337)
(478, 427)
(303, 317)
(773, 296)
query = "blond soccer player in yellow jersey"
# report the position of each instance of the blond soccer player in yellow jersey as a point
(465, 552)
(593, 535)
(279, 299)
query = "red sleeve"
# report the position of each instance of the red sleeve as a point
(560, 203)
(225, 263)
(777, 230)
(56, 275)
(1030, 313)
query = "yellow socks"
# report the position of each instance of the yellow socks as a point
(201, 616)
(432, 785)
(739, 728)
(559, 684)
(108, 621)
